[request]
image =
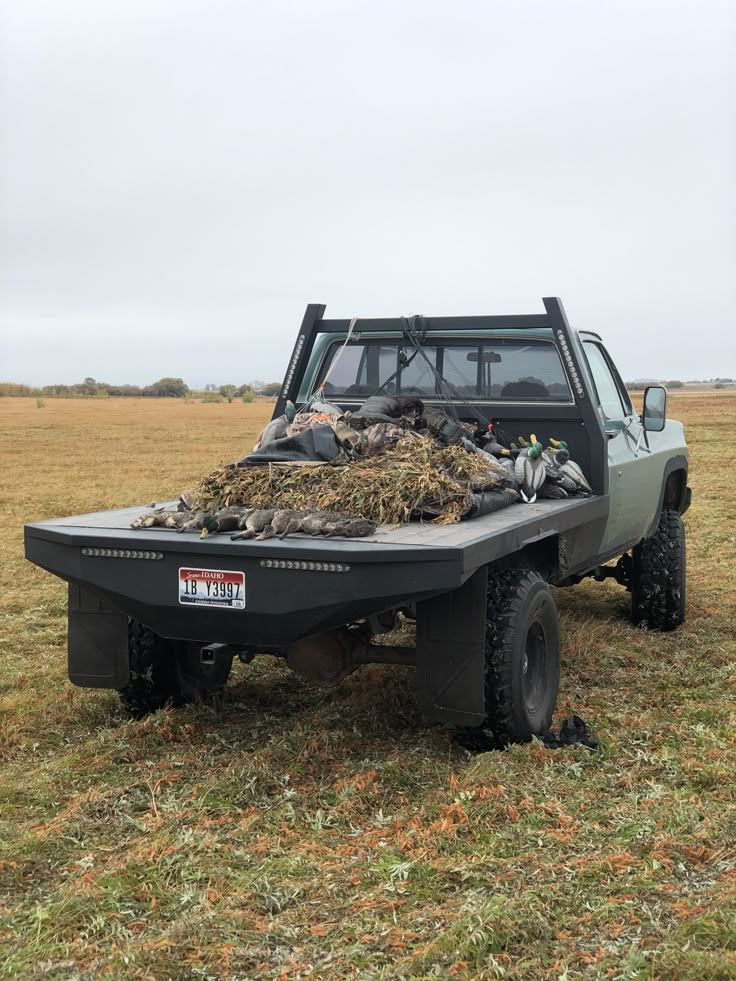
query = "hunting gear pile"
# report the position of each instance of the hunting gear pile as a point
(324, 472)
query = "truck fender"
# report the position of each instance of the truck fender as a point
(674, 494)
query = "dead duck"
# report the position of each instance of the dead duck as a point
(164, 519)
(228, 519)
(147, 520)
(254, 523)
(280, 523)
(329, 524)
(530, 470)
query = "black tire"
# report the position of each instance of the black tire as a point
(166, 672)
(522, 660)
(659, 576)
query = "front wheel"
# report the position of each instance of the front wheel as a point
(522, 657)
(166, 672)
(659, 575)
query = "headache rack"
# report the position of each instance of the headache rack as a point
(553, 319)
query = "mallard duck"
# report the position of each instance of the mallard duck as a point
(257, 522)
(329, 524)
(164, 519)
(280, 522)
(530, 470)
(558, 444)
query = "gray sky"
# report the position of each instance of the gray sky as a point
(178, 178)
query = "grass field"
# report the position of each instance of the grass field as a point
(284, 831)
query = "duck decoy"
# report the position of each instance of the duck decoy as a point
(276, 428)
(553, 491)
(509, 465)
(492, 445)
(567, 473)
(530, 470)
(572, 471)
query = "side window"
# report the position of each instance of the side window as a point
(609, 395)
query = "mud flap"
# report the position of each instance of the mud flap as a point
(451, 648)
(97, 642)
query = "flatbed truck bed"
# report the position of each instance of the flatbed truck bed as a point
(408, 563)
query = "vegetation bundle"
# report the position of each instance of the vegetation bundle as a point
(416, 477)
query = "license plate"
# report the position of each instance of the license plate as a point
(212, 587)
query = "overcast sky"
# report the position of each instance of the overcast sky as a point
(179, 178)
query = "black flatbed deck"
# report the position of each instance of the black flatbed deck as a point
(474, 542)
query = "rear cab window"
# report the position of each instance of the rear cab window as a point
(501, 369)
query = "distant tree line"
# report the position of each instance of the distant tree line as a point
(638, 386)
(163, 388)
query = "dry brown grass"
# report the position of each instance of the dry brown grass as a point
(415, 477)
(285, 830)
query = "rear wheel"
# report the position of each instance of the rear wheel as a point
(658, 576)
(522, 659)
(168, 671)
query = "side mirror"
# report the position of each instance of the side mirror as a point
(654, 414)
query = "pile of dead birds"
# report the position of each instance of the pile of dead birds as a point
(261, 523)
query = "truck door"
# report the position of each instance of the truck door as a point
(632, 478)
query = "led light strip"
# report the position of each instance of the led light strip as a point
(570, 365)
(304, 566)
(121, 553)
(292, 366)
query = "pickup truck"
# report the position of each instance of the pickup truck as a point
(161, 616)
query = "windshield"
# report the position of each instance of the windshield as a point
(512, 370)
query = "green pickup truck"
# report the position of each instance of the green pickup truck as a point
(487, 652)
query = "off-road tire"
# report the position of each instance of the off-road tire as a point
(522, 660)
(164, 672)
(658, 576)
